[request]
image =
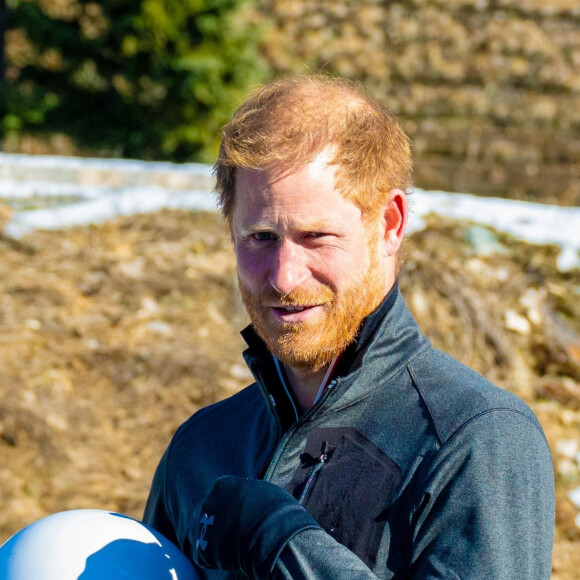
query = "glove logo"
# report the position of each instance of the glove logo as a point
(205, 521)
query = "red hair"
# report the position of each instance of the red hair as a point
(284, 125)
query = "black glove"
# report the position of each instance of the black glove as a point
(244, 524)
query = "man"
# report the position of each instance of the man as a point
(360, 451)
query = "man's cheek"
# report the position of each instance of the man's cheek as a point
(251, 269)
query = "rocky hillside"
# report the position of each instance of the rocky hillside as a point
(489, 90)
(112, 335)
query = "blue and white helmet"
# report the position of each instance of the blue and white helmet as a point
(91, 544)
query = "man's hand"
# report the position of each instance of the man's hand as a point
(244, 524)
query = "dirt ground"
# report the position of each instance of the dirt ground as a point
(111, 336)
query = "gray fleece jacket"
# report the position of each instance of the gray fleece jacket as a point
(411, 465)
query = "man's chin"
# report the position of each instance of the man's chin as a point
(303, 350)
(298, 359)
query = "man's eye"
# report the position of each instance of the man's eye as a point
(263, 236)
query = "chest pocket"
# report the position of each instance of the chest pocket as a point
(347, 484)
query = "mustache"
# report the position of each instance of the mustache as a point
(302, 296)
(298, 297)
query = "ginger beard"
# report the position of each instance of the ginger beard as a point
(313, 344)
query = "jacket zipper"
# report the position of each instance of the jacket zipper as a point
(282, 444)
(312, 477)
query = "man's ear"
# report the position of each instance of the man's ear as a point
(394, 221)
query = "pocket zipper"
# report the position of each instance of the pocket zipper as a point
(326, 448)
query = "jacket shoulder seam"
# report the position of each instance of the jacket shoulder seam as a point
(441, 440)
(485, 412)
(417, 382)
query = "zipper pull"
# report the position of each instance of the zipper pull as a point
(326, 450)
(325, 453)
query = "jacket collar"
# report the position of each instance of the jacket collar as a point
(366, 332)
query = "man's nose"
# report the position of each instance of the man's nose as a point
(289, 267)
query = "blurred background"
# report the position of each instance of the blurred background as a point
(112, 334)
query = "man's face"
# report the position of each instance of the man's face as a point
(309, 267)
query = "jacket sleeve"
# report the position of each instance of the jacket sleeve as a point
(314, 555)
(156, 509)
(483, 508)
(486, 507)
(243, 525)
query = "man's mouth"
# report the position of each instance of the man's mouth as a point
(290, 312)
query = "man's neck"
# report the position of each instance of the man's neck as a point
(305, 384)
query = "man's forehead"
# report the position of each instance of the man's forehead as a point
(321, 163)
